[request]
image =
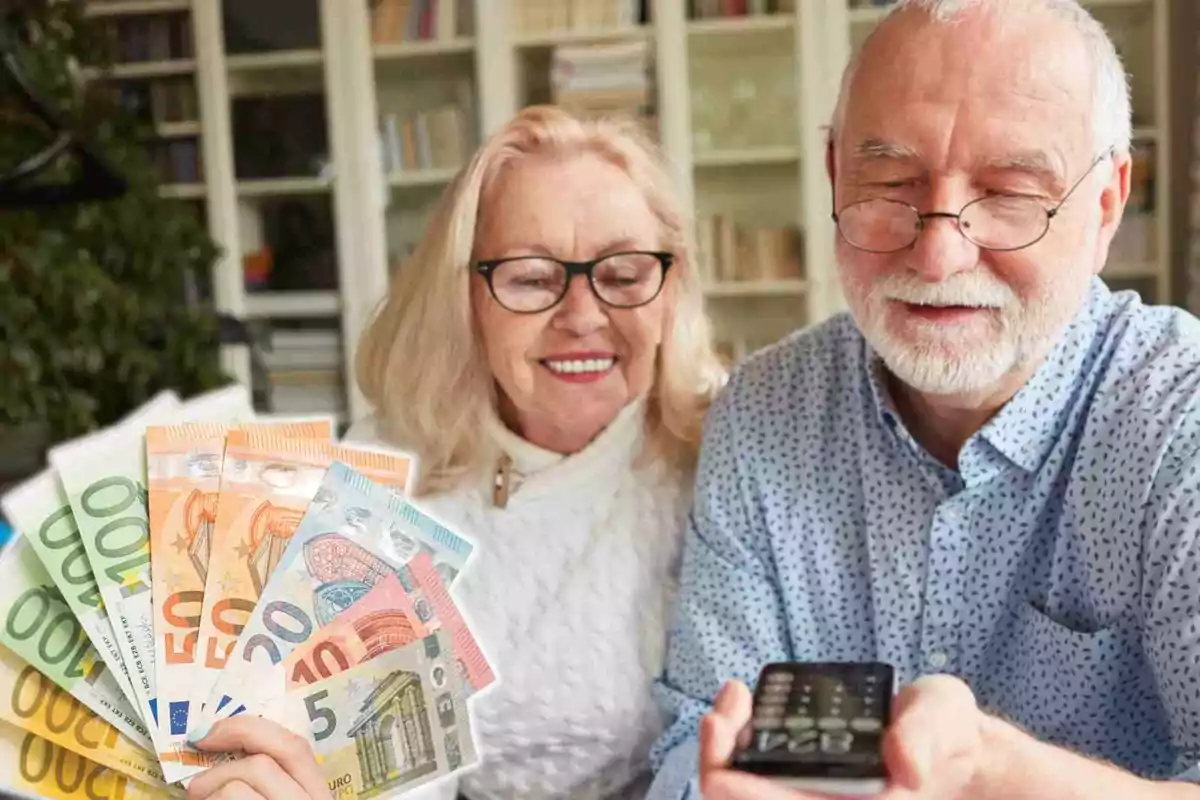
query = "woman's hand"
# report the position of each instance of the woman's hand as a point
(278, 765)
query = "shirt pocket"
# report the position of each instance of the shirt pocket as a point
(1060, 683)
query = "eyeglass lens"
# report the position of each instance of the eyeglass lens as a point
(996, 222)
(534, 284)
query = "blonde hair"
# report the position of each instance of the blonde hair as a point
(420, 362)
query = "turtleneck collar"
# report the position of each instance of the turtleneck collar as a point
(538, 469)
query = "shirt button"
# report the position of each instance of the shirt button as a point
(937, 660)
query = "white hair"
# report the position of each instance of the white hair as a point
(1111, 110)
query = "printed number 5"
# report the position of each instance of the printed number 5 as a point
(314, 713)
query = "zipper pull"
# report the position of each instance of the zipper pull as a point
(502, 482)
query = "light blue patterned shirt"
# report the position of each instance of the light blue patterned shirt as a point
(1057, 571)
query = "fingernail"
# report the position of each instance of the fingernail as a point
(199, 734)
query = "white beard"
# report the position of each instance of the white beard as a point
(943, 359)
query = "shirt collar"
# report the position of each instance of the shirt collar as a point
(1025, 429)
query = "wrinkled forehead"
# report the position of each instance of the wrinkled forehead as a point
(970, 89)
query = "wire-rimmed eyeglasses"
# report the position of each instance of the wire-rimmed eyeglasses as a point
(532, 284)
(992, 222)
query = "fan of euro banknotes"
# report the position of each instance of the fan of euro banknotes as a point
(194, 562)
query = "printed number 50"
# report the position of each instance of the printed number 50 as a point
(315, 713)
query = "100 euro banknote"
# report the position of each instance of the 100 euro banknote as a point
(40, 510)
(38, 767)
(388, 725)
(105, 482)
(32, 702)
(40, 628)
(184, 472)
(333, 560)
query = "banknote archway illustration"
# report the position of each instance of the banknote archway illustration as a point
(200, 515)
(392, 736)
(345, 570)
(271, 528)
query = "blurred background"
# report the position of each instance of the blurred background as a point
(283, 156)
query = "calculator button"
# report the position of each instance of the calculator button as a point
(837, 742)
(866, 725)
(831, 724)
(768, 741)
(778, 679)
(796, 722)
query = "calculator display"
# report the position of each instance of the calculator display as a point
(818, 719)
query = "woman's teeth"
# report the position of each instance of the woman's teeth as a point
(577, 366)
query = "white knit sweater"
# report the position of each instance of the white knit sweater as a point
(569, 592)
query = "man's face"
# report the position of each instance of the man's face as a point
(939, 116)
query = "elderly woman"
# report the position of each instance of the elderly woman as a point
(546, 355)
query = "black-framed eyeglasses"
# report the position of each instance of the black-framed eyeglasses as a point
(994, 222)
(532, 284)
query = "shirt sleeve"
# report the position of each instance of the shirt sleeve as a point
(729, 620)
(1171, 590)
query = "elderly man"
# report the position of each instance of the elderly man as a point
(988, 474)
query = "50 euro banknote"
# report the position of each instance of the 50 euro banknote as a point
(39, 627)
(267, 482)
(388, 725)
(183, 465)
(38, 768)
(32, 702)
(336, 558)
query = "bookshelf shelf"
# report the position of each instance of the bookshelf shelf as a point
(179, 130)
(735, 26)
(396, 51)
(283, 187)
(541, 39)
(750, 156)
(729, 289)
(142, 70)
(424, 177)
(133, 7)
(283, 59)
(182, 191)
(293, 305)
(739, 105)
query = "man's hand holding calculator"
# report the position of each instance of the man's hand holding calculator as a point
(936, 744)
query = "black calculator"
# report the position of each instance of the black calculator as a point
(820, 726)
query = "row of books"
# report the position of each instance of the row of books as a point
(435, 138)
(713, 9)
(731, 251)
(150, 37)
(180, 161)
(611, 79)
(541, 16)
(416, 20)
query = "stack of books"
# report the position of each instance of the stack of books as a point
(613, 80)
(304, 370)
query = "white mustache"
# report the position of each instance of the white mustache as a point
(972, 290)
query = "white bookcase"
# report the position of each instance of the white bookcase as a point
(740, 109)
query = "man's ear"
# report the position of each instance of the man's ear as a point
(1113, 199)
